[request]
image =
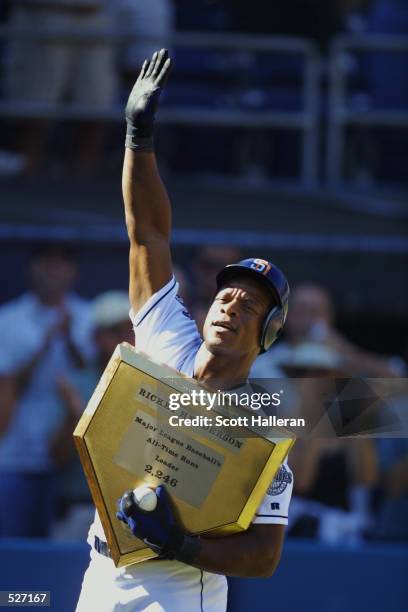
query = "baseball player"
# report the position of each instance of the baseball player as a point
(246, 316)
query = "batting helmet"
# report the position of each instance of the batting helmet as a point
(274, 280)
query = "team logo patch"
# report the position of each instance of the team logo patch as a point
(282, 479)
(261, 265)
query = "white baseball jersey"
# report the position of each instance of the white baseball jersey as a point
(165, 331)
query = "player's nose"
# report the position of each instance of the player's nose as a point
(230, 308)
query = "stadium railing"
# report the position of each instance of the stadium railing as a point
(305, 121)
(342, 112)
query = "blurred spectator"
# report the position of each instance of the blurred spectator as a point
(392, 515)
(151, 23)
(334, 480)
(40, 74)
(334, 476)
(311, 359)
(311, 319)
(392, 523)
(110, 316)
(45, 333)
(208, 261)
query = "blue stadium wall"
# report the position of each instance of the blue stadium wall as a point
(310, 577)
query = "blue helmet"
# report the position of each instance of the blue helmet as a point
(275, 281)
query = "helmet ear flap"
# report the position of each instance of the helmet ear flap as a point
(272, 327)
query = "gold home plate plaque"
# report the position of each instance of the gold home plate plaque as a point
(216, 479)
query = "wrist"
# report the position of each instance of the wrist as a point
(139, 138)
(189, 550)
(182, 547)
(179, 547)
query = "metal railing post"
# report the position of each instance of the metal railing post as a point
(310, 137)
(337, 94)
(340, 115)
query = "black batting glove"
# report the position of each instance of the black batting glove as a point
(159, 529)
(144, 99)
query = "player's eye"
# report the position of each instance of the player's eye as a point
(250, 308)
(222, 298)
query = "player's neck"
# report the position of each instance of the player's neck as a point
(222, 370)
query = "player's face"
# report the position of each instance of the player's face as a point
(234, 322)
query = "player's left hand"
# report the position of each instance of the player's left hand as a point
(158, 529)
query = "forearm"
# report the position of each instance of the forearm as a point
(246, 554)
(147, 205)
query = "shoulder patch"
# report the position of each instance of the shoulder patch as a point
(281, 481)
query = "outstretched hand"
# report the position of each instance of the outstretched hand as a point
(144, 97)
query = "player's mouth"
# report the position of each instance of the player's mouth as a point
(224, 325)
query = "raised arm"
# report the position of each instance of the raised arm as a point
(147, 206)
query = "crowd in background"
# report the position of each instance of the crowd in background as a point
(55, 346)
(96, 74)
